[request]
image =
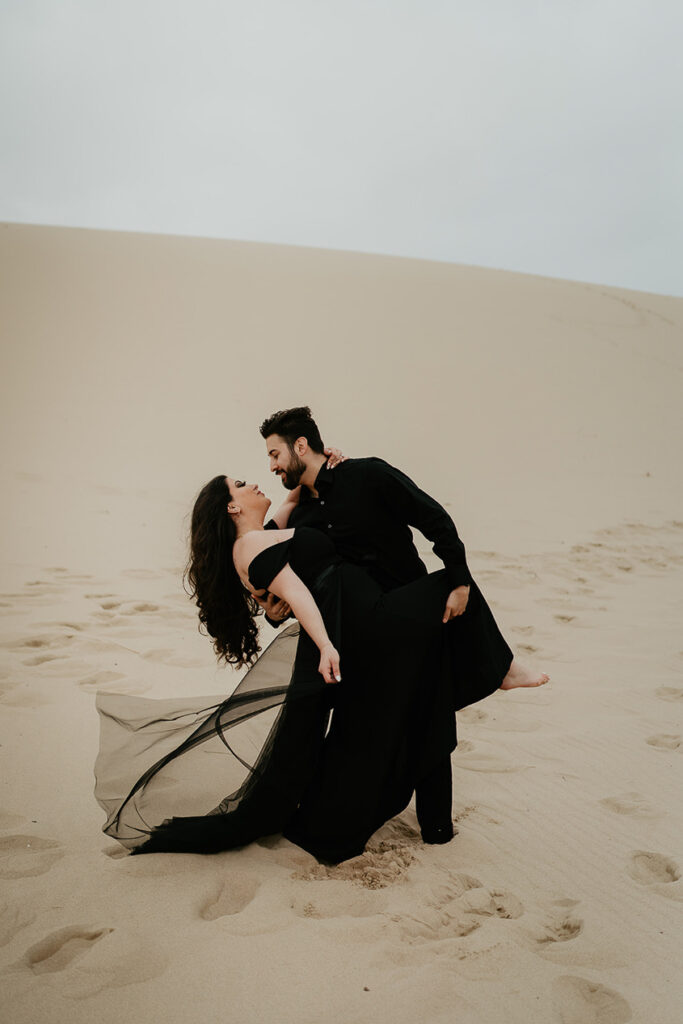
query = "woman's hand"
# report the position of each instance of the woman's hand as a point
(329, 664)
(456, 603)
(334, 457)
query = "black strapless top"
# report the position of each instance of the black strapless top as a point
(309, 552)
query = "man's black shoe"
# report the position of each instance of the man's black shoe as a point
(438, 834)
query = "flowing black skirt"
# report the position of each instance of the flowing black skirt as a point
(325, 764)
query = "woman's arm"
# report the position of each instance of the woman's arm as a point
(294, 591)
(281, 517)
(287, 586)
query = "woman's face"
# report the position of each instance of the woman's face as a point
(247, 496)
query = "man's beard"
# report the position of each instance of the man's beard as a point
(291, 477)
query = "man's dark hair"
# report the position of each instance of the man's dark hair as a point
(290, 424)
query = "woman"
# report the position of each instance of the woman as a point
(383, 662)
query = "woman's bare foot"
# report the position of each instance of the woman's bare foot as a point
(519, 676)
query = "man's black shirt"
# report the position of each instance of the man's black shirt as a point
(366, 507)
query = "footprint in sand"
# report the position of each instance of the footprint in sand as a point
(443, 915)
(563, 929)
(75, 627)
(234, 896)
(83, 965)
(670, 693)
(651, 868)
(59, 949)
(435, 925)
(141, 608)
(26, 856)
(491, 903)
(42, 648)
(29, 642)
(579, 1001)
(632, 804)
(13, 917)
(456, 909)
(664, 741)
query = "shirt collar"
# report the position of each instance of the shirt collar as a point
(324, 479)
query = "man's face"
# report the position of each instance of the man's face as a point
(284, 462)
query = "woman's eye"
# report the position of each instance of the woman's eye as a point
(239, 483)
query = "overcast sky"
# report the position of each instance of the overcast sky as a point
(544, 136)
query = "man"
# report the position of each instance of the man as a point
(367, 507)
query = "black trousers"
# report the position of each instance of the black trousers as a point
(434, 796)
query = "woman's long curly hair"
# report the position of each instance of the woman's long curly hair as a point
(226, 609)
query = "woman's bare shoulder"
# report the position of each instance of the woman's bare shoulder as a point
(251, 544)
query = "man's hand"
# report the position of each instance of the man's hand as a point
(334, 457)
(456, 603)
(274, 607)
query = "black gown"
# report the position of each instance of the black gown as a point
(165, 767)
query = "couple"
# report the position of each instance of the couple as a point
(339, 722)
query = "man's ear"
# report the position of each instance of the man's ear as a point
(301, 446)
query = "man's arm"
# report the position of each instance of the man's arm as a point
(417, 508)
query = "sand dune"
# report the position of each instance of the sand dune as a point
(547, 415)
